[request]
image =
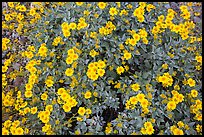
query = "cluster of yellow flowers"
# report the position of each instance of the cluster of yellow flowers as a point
(185, 13)
(147, 129)
(5, 42)
(166, 79)
(177, 98)
(96, 69)
(131, 103)
(196, 109)
(127, 55)
(32, 77)
(93, 53)
(181, 28)
(13, 127)
(66, 99)
(81, 23)
(56, 41)
(82, 111)
(71, 56)
(176, 131)
(107, 29)
(139, 11)
(42, 50)
(66, 28)
(109, 128)
(142, 34)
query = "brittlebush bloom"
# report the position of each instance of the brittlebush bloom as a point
(28, 94)
(33, 110)
(127, 55)
(194, 93)
(171, 105)
(113, 11)
(87, 95)
(120, 70)
(191, 82)
(135, 87)
(44, 96)
(198, 59)
(102, 5)
(69, 72)
(81, 111)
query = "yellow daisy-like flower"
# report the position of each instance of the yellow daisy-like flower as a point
(69, 72)
(135, 87)
(120, 70)
(198, 59)
(191, 82)
(33, 110)
(79, 3)
(113, 11)
(49, 83)
(28, 93)
(66, 107)
(44, 96)
(87, 95)
(81, 111)
(171, 105)
(102, 5)
(101, 72)
(127, 55)
(194, 93)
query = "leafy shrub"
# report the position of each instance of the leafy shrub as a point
(102, 68)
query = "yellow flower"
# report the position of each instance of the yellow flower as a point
(5, 131)
(87, 95)
(22, 8)
(72, 25)
(79, 3)
(60, 91)
(140, 97)
(69, 60)
(81, 111)
(28, 93)
(178, 131)
(133, 100)
(101, 64)
(144, 103)
(19, 131)
(198, 59)
(101, 72)
(29, 86)
(74, 56)
(94, 77)
(44, 96)
(69, 72)
(66, 107)
(171, 105)
(102, 5)
(93, 53)
(49, 83)
(180, 124)
(49, 108)
(120, 70)
(165, 66)
(149, 130)
(7, 123)
(33, 110)
(135, 87)
(127, 55)
(113, 11)
(88, 111)
(194, 93)
(191, 82)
